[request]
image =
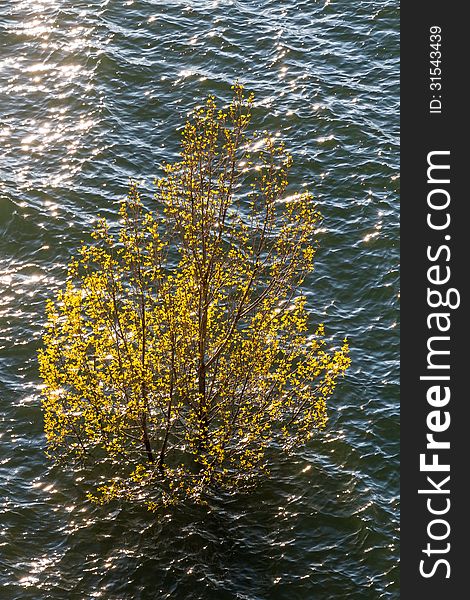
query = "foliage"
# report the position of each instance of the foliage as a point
(179, 350)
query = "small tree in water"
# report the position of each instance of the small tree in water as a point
(179, 351)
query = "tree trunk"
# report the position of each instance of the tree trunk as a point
(145, 439)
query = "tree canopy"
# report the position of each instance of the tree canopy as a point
(179, 349)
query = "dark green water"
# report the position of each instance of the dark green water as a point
(90, 95)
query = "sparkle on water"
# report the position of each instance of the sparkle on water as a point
(91, 94)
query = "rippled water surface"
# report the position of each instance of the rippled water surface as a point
(91, 94)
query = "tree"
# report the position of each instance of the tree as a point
(179, 350)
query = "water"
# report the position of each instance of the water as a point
(91, 94)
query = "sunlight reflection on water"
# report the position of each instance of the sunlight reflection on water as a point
(92, 93)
